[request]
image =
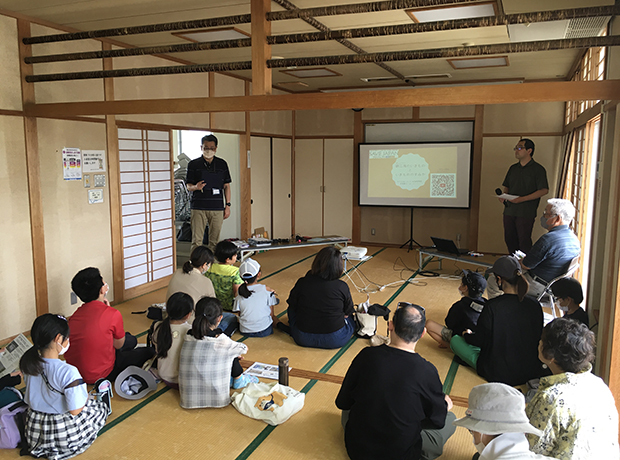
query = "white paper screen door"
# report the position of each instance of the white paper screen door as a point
(147, 209)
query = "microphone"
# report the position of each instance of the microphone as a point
(498, 191)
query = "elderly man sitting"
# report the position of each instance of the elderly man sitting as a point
(552, 253)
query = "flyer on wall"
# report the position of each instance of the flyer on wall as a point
(93, 161)
(72, 163)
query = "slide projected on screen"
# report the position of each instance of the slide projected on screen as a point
(420, 175)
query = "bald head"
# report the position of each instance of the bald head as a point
(409, 322)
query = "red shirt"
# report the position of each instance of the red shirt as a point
(94, 326)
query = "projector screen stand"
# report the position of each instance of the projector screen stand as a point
(409, 243)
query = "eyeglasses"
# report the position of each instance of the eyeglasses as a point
(519, 148)
(409, 304)
(545, 214)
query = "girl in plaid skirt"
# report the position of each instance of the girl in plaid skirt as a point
(62, 421)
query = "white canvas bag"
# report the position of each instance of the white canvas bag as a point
(270, 402)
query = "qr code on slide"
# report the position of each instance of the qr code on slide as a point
(443, 185)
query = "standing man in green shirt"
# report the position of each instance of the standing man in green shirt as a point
(528, 180)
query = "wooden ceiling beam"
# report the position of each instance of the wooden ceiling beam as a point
(414, 97)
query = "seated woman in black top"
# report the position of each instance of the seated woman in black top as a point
(320, 307)
(504, 344)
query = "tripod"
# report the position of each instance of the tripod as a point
(410, 241)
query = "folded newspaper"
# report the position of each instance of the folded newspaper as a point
(9, 359)
(263, 370)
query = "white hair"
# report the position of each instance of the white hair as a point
(562, 208)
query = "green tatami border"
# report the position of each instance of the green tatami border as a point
(256, 442)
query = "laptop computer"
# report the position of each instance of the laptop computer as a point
(444, 245)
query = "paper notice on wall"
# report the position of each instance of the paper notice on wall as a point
(72, 164)
(93, 161)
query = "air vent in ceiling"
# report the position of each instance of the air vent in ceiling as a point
(586, 27)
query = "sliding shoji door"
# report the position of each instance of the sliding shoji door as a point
(147, 209)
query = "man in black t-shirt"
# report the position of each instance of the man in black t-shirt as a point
(208, 178)
(528, 180)
(393, 406)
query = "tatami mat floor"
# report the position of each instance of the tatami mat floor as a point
(157, 427)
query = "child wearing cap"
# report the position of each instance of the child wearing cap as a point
(503, 347)
(255, 302)
(463, 315)
(569, 294)
(497, 421)
(224, 275)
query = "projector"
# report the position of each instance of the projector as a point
(353, 252)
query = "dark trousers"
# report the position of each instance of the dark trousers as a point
(129, 355)
(236, 370)
(518, 233)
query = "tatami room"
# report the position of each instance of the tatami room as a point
(292, 145)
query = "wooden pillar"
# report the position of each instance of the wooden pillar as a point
(293, 196)
(261, 51)
(245, 176)
(33, 174)
(358, 137)
(114, 184)
(476, 165)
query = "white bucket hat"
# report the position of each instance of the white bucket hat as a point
(249, 268)
(496, 408)
(134, 383)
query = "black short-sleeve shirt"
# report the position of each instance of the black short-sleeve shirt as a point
(215, 175)
(579, 315)
(521, 181)
(390, 393)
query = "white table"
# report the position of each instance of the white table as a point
(484, 261)
(339, 241)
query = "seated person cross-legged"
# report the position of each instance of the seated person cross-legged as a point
(191, 280)
(169, 336)
(62, 420)
(464, 314)
(320, 306)
(209, 361)
(503, 347)
(101, 347)
(392, 401)
(573, 408)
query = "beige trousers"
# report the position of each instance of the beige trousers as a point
(200, 220)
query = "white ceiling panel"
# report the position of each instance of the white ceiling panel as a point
(100, 14)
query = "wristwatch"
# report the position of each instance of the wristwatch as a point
(228, 204)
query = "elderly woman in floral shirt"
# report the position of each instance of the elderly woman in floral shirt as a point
(574, 408)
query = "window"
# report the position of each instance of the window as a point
(579, 187)
(146, 208)
(591, 68)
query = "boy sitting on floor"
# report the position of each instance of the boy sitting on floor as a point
(224, 275)
(101, 347)
(569, 293)
(463, 315)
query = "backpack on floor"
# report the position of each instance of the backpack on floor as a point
(12, 423)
